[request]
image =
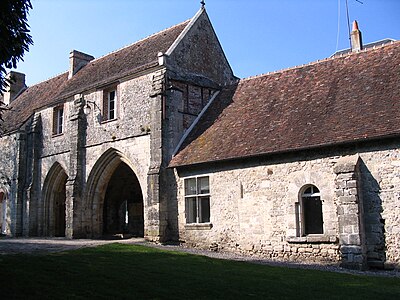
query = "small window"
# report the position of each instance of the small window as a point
(197, 200)
(58, 119)
(309, 212)
(109, 104)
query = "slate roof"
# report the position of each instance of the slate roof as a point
(134, 58)
(351, 98)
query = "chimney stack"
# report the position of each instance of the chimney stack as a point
(16, 85)
(356, 40)
(77, 60)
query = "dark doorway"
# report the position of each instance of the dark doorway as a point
(313, 215)
(59, 211)
(123, 204)
(54, 208)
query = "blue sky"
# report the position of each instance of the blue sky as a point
(258, 36)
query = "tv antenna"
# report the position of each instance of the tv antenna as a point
(348, 18)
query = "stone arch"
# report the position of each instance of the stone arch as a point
(54, 191)
(3, 211)
(4, 204)
(97, 186)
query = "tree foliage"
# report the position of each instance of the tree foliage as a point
(14, 37)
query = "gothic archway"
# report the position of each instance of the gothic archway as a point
(3, 207)
(54, 191)
(114, 197)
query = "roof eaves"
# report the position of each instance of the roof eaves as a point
(290, 150)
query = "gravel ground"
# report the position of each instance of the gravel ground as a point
(45, 245)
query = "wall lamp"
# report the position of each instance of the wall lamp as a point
(87, 109)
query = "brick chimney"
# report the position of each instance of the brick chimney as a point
(15, 87)
(356, 40)
(77, 60)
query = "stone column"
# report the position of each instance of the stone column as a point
(32, 209)
(153, 230)
(350, 211)
(20, 179)
(77, 164)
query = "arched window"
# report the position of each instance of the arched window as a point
(311, 220)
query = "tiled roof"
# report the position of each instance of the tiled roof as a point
(32, 98)
(129, 60)
(338, 100)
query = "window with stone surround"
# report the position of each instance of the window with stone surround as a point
(309, 217)
(110, 104)
(58, 119)
(197, 200)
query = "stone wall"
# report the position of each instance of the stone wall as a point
(200, 54)
(253, 207)
(84, 141)
(8, 180)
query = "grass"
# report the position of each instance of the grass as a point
(118, 271)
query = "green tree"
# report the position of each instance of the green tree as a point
(14, 37)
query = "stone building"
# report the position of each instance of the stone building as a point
(160, 139)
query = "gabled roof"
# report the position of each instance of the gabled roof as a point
(132, 59)
(339, 100)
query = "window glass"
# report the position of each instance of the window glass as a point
(190, 186)
(308, 190)
(203, 185)
(311, 220)
(58, 118)
(197, 200)
(191, 210)
(111, 105)
(204, 209)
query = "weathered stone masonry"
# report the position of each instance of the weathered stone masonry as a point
(301, 164)
(253, 208)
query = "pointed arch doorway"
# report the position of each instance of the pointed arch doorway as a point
(2, 212)
(123, 204)
(114, 198)
(54, 189)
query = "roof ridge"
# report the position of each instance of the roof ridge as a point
(320, 61)
(141, 40)
(384, 41)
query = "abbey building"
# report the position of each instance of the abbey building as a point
(160, 139)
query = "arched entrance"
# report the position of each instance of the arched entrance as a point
(114, 198)
(55, 197)
(123, 204)
(2, 212)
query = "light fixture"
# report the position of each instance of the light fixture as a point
(87, 109)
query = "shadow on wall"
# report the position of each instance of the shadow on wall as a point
(373, 221)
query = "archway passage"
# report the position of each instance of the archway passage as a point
(123, 204)
(2, 211)
(55, 198)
